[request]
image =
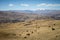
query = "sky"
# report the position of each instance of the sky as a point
(29, 4)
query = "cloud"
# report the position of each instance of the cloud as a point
(11, 5)
(44, 4)
(24, 5)
(33, 9)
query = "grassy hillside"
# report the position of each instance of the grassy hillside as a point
(31, 30)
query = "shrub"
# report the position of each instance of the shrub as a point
(49, 26)
(26, 24)
(28, 34)
(53, 24)
(53, 28)
(25, 37)
(32, 32)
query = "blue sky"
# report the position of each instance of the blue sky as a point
(29, 4)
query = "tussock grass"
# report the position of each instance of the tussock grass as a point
(32, 30)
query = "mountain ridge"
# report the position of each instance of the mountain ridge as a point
(34, 15)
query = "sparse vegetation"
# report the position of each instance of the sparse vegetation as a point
(27, 26)
(18, 29)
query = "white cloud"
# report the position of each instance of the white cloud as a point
(34, 9)
(44, 4)
(24, 5)
(11, 5)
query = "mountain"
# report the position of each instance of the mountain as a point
(37, 11)
(11, 16)
(23, 15)
(22, 11)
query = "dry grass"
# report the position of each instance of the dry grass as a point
(31, 30)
